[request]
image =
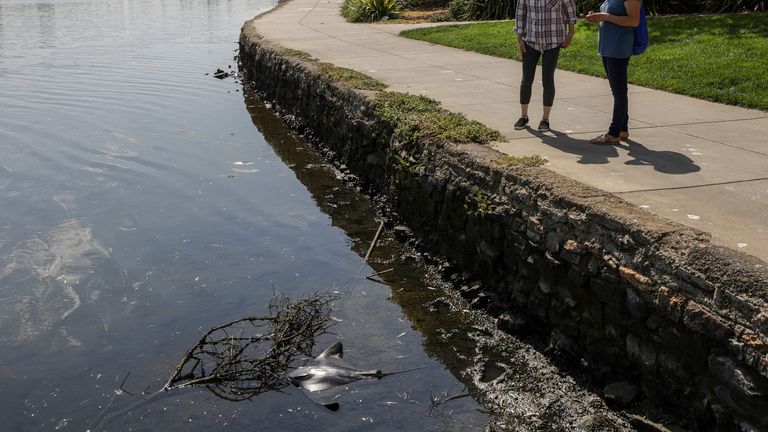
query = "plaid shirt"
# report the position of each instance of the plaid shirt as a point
(543, 23)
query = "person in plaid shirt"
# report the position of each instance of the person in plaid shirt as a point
(542, 27)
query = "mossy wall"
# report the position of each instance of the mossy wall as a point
(617, 288)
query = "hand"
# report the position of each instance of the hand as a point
(567, 42)
(595, 17)
(521, 45)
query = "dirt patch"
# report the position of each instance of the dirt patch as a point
(422, 14)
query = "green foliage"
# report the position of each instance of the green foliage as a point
(477, 10)
(717, 57)
(370, 10)
(415, 119)
(338, 74)
(492, 9)
(441, 17)
(703, 6)
(526, 161)
(350, 77)
(478, 204)
(298, 54)
(655, 7)
(460, 10)
(584, 6)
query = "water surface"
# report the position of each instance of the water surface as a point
(141, 204)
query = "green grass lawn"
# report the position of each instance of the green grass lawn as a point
(723, 58)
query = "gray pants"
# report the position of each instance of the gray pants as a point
(548, 66)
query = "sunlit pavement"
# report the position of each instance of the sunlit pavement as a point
(699, 163)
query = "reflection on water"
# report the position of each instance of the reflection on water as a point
(49, 269)
(139, 206)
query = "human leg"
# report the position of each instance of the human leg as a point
(616, 70)
(530, 60)
(548, 66)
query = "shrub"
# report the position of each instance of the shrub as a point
(704, 6)
(465, 10)
(459, 10)
(584, 6)
(492, 9)
(370, 10)
(476, 10)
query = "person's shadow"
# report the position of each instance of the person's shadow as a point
(663, 161)
(590, 153)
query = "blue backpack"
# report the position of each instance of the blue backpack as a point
(641, 34)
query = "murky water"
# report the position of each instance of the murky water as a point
(143, 201)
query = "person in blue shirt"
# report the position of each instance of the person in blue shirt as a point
(617, 20)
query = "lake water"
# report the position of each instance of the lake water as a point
(143, 201)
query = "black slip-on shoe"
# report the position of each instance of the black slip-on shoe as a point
(543, 125)
(521, 123)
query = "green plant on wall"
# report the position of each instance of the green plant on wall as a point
(418, 118)
(401, 162)
(479, 205)
(370, 10)
(526, 161)
(350, 77)
(298, 54)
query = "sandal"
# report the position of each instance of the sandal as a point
(624, 136)
(604, 139)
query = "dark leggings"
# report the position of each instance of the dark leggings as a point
(548, 65)
(616, 70)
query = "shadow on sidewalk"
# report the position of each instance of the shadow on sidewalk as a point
(663, 161)
(590, 153)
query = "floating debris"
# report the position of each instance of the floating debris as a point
(249, 356)
(220, 74)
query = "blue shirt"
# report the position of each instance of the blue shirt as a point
(614, 40)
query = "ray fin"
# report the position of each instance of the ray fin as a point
(335, 350)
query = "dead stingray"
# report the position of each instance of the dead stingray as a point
(327, 372)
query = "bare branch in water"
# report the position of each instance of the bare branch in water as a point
(437, 401)
(370, 276)
(373, 243)
(249, 356)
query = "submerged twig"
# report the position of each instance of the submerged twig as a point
(436, 401)
(121, 389)
(373, 243)
(379, 273)
(117, 392)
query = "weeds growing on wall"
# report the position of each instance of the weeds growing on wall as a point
(526, 161)
(350, 77)
(418, 118)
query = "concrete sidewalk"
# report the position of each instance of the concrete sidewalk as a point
(699, 163)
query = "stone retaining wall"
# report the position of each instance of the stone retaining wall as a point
(617, 288)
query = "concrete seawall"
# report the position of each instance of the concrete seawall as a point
(623, 291)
